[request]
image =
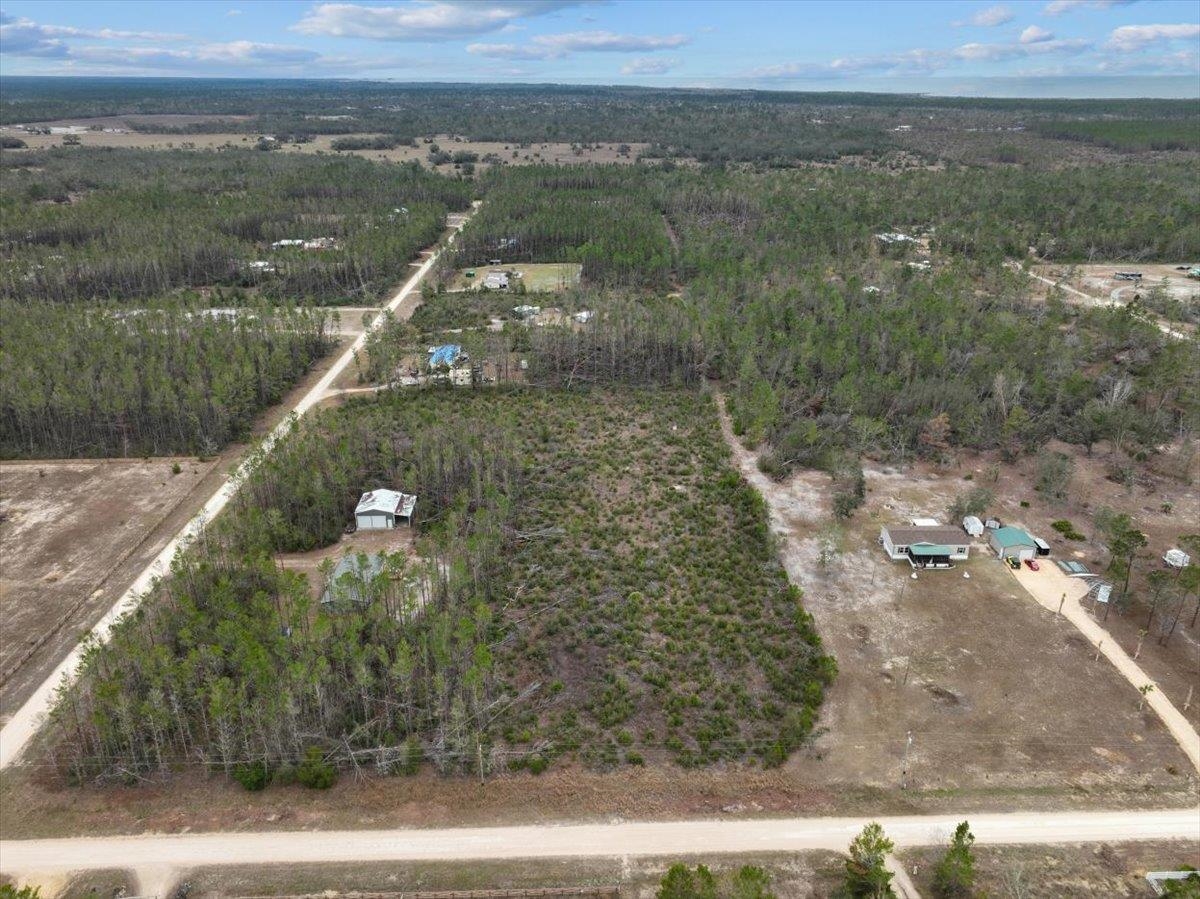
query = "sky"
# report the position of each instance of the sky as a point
(1074, 48)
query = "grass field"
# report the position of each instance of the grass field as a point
(535, 277)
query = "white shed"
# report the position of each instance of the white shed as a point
(1177, 558)
(973, 526)
(382, 509)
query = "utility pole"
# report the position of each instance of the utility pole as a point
(904, 765)
(1096, 658)
(1058, 614)
(479, 756)
(1141, 637)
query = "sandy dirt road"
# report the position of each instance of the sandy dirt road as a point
(1050, 587)
(155, 852)
(26, 721)
(1112, 302)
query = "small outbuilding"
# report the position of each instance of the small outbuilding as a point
(1176, 558)
(1012, 543)
(496, 281)
(1043, 548)
(973, 526)
(382, 509)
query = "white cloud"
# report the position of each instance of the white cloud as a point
(234, 12)
(24, 37)
(995, 52)
(1129, 38)
(992, 16)
(1035, 35)
(649, 65)
(910, 61)
(557, 46)
(422, 20)
(1058, 7)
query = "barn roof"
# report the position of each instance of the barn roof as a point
(1010, 536)
(384, 500)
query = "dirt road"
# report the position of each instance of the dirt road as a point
(155, 852)
(1050, 587)
(1112, 302)
(26, 721)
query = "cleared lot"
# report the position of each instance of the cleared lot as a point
(509, 153)
(65, 528)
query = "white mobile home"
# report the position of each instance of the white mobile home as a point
(924, 546)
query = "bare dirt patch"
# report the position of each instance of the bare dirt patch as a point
(794, 876)
(1162, 498)
(68, 527)
(385, 541)
(989, 684)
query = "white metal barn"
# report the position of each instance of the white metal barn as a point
(973, 526)
(382, 509)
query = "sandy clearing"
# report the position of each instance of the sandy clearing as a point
(1050, 587)
(25, 722)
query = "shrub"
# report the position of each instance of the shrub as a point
(537, 763)
(314, 772)
(254, 776)
(1064, 527)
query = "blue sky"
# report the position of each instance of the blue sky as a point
(1018, 47)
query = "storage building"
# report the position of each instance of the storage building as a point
(382, 509)
(1012, 543)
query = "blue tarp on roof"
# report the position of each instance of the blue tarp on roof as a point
(447, 354)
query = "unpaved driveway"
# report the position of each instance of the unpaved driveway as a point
(1050, 587)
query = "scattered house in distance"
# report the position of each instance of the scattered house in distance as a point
(1128, 276)
(289, 242)
(1012, 543)
(350, 577)
(381, 509)
(888, 238)
(973, 526)
(583, 316)
(1176, 558)
(496, 281)
(526, 312)
(261, 265)
(320, 243)
(924, 546)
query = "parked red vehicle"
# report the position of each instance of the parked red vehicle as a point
(1033, 565)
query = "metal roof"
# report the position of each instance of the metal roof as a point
(384, 500)
(1010, 536)
(929, 549)
(351, 573)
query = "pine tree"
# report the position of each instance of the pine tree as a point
(955, 873)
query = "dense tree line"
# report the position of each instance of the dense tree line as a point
(831, 345)
(84, 224)
(233, 665)
(470, 654)
(596, 216)
(104, 380)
